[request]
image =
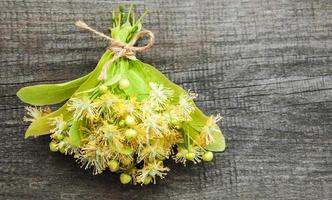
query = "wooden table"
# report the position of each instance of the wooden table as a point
(264, 65)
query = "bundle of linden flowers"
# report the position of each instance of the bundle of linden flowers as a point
(128, 123)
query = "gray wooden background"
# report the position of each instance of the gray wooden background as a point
(264, 65)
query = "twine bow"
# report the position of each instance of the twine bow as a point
(120, 48)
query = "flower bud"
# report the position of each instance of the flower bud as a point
(190, 156)
(124, 84)
(113, 165)
(147, 180)
(207, 156)
(122, 123)
(53, 146)
(126, 161)
(58, 137)
(130, 121)
(130, 134)
(62, 149)
(125, 178)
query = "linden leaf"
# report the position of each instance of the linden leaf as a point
(138, 84)
(219, 142)
(74, 134)
(151, 74)
(48, 94)
(42, 125)
(113, 80)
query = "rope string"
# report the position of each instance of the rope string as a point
(120, 48)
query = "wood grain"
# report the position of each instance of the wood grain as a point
(264, 65)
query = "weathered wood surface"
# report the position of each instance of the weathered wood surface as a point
(265, 65)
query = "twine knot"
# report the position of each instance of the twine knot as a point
(119, 48)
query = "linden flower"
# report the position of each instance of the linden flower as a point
(146, 108)
(197, 151)
(66, 148)
(132, 107)
(81, 107)
(104, 103)
(186, 106)
(174, 115)
(210, 128)
(159, 96)
(94, 154)
(155, 150)
(173, 137)
(125, 160)
(110, 132)
(151, 169)
(180, 157)
(114, 138)
(35, 113)
(120, 107)
(155, 124)
(59, 125)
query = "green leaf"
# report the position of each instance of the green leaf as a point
(121, 33)
(113, 80)
(74, 134)
(48, 94)
(218, 144)
(138, 84)
(152, 74)
(42, 125)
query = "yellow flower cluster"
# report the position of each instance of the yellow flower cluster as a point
(130, 136)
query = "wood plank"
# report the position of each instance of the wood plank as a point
(264, 65)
